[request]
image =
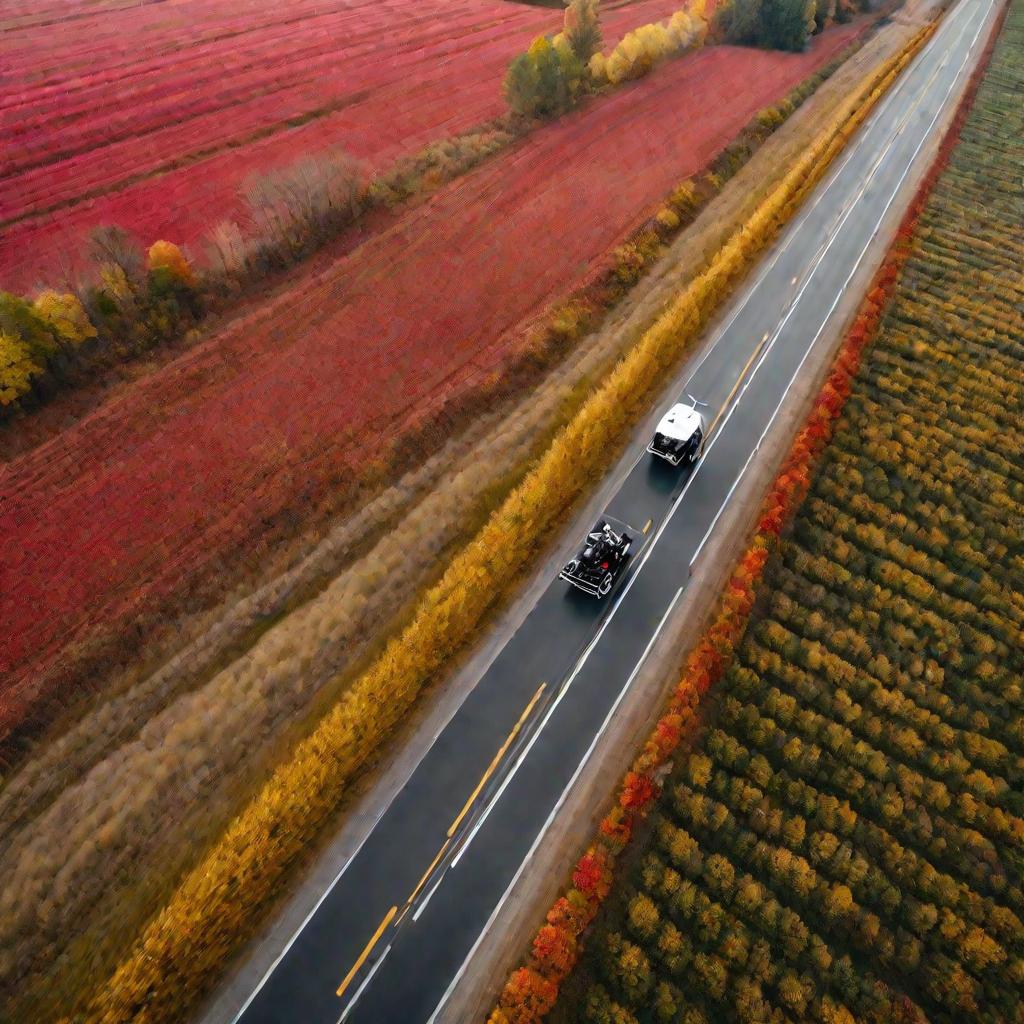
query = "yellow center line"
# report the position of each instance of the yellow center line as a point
(497, 758)
(426, 874)
(736, 386)
(366, 952)
(648, 525)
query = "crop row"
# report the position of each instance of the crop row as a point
(845, 840)
(177, 953)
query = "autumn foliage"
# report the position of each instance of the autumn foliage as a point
(591, 878)
(642, 49)
(184, 945)
(840, 839)
(167, 260)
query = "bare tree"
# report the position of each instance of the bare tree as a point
(305, 202)
(110, 245)
(227, 250)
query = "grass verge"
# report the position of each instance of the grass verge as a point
(185, 945)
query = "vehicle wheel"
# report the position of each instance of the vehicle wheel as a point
(606, 585)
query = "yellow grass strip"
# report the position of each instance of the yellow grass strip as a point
(184, 947)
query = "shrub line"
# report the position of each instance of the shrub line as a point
(185, 945)
(531, 991)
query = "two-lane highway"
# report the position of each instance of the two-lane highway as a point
(393, 933)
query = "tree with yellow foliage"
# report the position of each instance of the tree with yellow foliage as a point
(17, 369)
(640, 50)
(65, 315)
(582, 28)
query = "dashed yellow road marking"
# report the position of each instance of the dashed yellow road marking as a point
(497, 758)
(366, 952)
(426, 874)
(736, 386)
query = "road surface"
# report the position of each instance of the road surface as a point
(394, 932)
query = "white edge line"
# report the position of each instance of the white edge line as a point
(522, 757)
(805, 212)
(550, 818)
(327, 892)
(839, 295)
(831, 179)
(823, 189)
(437, 885)
(794, 227)
(366, 981)
(837, 227)
(540, 836)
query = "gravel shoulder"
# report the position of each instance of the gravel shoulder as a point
(394, 768)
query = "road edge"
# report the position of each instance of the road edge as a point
(509, 934)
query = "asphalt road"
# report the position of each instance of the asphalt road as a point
(394, 932)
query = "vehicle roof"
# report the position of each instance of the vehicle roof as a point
(680, 422)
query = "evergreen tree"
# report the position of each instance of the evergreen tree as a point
(582, 28)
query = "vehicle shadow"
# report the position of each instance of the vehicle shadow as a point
(585, 606)
(667, 480)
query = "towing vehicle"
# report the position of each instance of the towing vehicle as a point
(602, 558)
(680, 435)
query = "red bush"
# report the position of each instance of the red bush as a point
(554, 951)
(712, 653)
(527, 996)
(638, 792)
(592, 874)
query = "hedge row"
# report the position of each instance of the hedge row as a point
(185, 946)
(844, 841)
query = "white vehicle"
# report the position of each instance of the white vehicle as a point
(680, 435)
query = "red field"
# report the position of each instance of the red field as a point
(129, 503)
(152, 117)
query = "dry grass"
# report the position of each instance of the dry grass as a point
(146, 762)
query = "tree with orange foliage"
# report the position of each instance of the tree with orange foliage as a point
(638, 792)
(527, 996)
(554, 952)
(592, 875)
(167, 264)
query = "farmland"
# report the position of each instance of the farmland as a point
(123, 118)
(372, 701)
(151, 491)
(841, 836)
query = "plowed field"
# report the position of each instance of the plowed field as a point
(152, 117)
(153, 489)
